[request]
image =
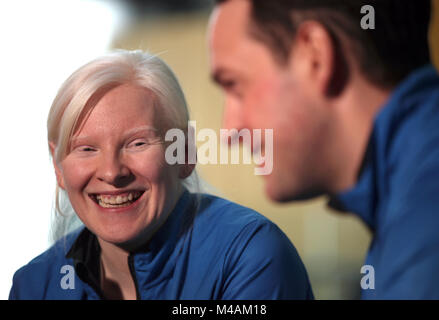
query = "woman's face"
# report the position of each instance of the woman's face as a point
(115, 174)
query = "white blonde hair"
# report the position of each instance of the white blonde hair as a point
(81, 91)
(100, 75)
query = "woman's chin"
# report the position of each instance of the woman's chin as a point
(117, 237)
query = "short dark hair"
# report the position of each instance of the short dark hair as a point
(385, 55)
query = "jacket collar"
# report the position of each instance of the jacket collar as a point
(363, 199)
(156, 262)
(85, 251)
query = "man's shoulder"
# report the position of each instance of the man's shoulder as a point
(413, 110)
(406, 130)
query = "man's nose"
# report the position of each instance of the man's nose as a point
(232, 117)
(112, 170)
(232, 122)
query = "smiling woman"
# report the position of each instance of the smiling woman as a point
(145, 236)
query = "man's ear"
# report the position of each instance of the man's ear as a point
(319, 58)
(58, 173)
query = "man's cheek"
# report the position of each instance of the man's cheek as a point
(260, 108)
(264, 91)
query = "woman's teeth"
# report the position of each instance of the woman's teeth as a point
(109, 201)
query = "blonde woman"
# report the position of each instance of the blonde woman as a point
(144, 235)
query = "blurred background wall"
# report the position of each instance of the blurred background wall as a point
(44, 41)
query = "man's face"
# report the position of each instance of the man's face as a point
(262, 94)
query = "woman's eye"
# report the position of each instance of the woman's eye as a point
(86, 149)
(137, 143)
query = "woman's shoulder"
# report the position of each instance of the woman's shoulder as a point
(226, 220)
(247, 245)
(228, 213)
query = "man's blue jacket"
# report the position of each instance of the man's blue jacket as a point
(397, 194)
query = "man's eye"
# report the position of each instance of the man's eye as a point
(228, 84)
(232, 87)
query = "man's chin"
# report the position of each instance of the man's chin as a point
(280, 194)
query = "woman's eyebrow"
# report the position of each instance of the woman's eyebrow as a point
(128, 132)
(139, 129)
(78, 138)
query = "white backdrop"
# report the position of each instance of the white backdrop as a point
(42, 43)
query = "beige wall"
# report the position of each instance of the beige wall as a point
(332, 245)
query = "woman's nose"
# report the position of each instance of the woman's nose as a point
(112, 170)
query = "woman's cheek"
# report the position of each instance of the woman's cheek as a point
(150, 166)
(76, 172)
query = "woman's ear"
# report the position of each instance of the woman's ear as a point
(58, 173)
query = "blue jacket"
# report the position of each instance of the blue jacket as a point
(225, 251)
(397, 194)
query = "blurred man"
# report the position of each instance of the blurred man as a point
(353, 101)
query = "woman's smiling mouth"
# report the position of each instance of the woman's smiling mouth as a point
(119, 200)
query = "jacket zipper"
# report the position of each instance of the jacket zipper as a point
(133, 275)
